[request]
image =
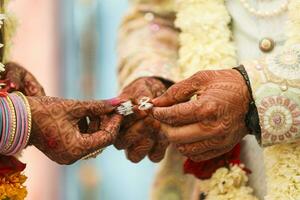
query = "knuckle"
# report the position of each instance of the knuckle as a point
(118, 147)
(65, 162)
(156, 158)
(134, 158)
(210, 108)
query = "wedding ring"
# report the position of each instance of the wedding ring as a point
(125, 108)
(144, 103)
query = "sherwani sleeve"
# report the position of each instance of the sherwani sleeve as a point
(275, 82)
(148, 42)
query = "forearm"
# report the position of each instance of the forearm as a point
(147, 45)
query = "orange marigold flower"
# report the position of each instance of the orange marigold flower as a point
(12, 188)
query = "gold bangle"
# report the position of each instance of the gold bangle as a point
(27, 105)
(13, 124)
(93, 154)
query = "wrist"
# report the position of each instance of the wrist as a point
(251, 118)
(15, 122)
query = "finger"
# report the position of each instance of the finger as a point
(127, 137)
(115, 101)
(197, 148)
(139, 114)
(211, 154)
(192, 133)
(159, 149)
(15, 73)
(187, 113)
(139, 151)
(106, 136)
(32, 87)
(177, 93)
(23, 80)
(80, 109)
(129, 121)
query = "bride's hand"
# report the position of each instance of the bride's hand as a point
(55, 129)
(140, 135)
(22, 79)
(212, 123)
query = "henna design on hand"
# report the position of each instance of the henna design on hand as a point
(55, 129)
(140, 134)
(210, 124)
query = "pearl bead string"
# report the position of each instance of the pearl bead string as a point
(265, 14)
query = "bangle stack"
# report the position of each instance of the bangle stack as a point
(15, 124)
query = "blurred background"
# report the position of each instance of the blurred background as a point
(69, 45)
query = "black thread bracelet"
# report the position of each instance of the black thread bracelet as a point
(252, 118)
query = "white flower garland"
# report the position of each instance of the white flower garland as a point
(205, 38)
(228, 184)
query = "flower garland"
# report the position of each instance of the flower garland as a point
(282, 161)
(206, 41)
(12, 179)
(205, 38)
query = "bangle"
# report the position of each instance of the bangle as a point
(13, 123)
(21, 125)
(252, 118)
(18, 131)
(29, 117)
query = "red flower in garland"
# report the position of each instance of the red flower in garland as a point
(205, 169)
(10, 165)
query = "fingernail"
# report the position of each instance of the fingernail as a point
(114, 101)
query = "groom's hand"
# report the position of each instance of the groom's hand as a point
(140, 135)
(210, 124)
(56, 132)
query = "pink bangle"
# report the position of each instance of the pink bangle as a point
(24, 125)
(28, 116)
(20, 132)
(16, 135)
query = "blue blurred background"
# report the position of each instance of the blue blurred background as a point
(88, 33)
